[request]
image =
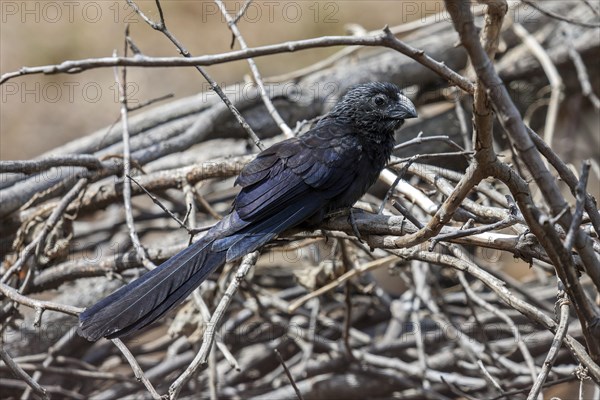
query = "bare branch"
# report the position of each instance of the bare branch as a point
(561, 331)
(255, 72)
(32, 166)
(200, 360)
(556, 83)
(19, 372)
(137, 370)
(560, 17)
(385, 39)
(135, 240)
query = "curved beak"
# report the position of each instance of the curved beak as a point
(403, 109)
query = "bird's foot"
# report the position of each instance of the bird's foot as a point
(352, 222)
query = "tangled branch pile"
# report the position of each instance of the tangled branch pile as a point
(425, 307)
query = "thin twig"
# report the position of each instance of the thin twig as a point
(462, 121)
(561, 331)
(137, 370)
(582, 74)
(348, 265)
(59, 345)
(212, 367)
(135, 240)
(21, 374)
(289, 375)
(423, 139)
(505, 223)
(429, 156)
(340, 280)
(503, 316)
(42, 305)
(568, 176)
(489, 376)
(579, 205)
(206, 205)
(385, 39)
(227, 354)
(556, 83)
(419, 273)
(240, 14)
(560, 17)
(150, 102)
(162, 27)
(158, 203)
(210, 331)
(231, 23)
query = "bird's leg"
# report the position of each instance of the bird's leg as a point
(352, 222)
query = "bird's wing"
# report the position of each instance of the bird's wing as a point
(289, 183)
(322, 164)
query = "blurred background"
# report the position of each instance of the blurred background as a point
(38, 113)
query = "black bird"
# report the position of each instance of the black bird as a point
(300, 179)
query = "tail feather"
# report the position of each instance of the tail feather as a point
(144, 300)
(175, 295)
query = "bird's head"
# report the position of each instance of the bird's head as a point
(376, 107)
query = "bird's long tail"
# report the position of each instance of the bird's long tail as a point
(146, 299)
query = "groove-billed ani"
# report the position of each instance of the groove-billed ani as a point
(328, 168)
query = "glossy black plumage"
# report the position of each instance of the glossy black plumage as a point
(330, 167)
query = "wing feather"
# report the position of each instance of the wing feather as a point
(310, 169)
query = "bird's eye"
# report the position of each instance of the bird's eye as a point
(379, 100)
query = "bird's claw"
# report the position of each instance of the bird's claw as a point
(352, 222)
